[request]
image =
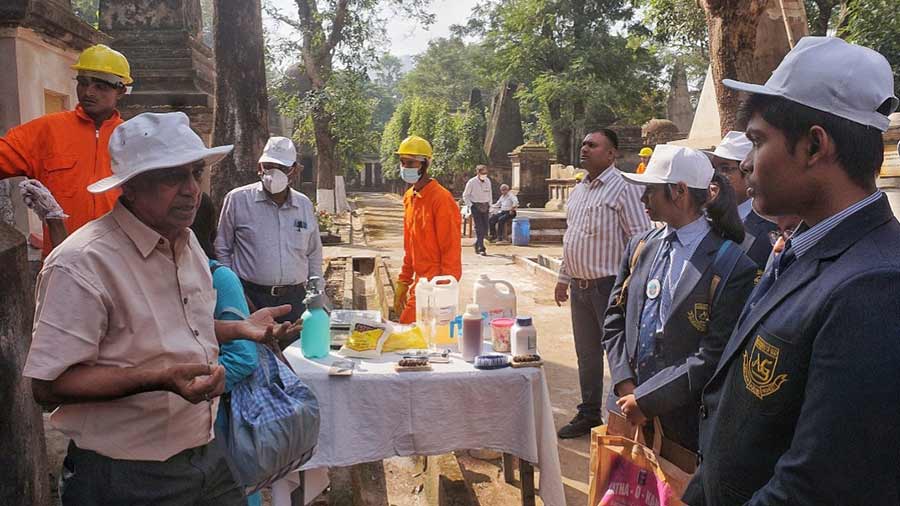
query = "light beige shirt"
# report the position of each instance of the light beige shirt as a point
(113, 295)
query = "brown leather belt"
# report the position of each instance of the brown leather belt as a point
(584, 284)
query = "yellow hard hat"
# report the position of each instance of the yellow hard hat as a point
(104, 59)
(645, 152)
(415, 146)
(579, 176)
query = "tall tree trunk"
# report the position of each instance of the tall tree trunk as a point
(23, 452)
(562, 135)
(732, 41)
(326, 156)
(819, 26)
(242, 102)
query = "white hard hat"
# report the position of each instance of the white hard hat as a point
(279, 150)
(151, 141)
(734, 146)
(833, 76)
(675, 164)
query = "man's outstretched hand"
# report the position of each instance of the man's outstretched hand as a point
(262, 327)
(196, 382)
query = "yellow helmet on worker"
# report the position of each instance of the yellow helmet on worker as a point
(415, 146)
(105, 63)
(645, 151)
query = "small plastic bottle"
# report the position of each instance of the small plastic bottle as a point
(524, 337)
(471, 342)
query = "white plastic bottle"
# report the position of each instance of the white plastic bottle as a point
(524, 337)
(496, 298)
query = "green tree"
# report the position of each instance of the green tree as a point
(575, 71)
(446, 71)
(87, 10)
(348, 101)
(875, 24)
(347, 32)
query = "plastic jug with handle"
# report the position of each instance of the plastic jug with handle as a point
(495, 297)
(443, 307)
(424, 315)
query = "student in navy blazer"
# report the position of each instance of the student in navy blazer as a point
(726, 159)
(804, 407)
(677, 295)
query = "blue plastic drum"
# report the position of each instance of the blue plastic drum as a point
(521, 231)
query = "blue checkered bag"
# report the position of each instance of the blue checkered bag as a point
(272, 425)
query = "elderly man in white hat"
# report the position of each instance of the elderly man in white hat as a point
(802, 408)
(269, 235)
(124, 339)
(726, 159)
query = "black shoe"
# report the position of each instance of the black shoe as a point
(579, 426)
(483, 253)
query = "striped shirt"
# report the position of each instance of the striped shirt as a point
(804, 240)
(602, 214)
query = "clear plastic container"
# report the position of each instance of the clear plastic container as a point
(470, 344)
(444, 304)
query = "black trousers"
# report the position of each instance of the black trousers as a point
(194, 477)
(588, 301)
(480, 219)
(498, 224)
(261, 297)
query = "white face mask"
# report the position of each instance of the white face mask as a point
(410, 175)
(274, 180)
(481, 177)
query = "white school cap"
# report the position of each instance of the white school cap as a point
(833, 76)
(734, 146)
(675, 164)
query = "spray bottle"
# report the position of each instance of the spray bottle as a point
(315, 338)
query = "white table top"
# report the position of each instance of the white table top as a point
(379, 413)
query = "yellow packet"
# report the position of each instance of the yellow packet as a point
(413, 338)
(364, 337)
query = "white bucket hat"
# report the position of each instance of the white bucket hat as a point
(279, 150)
(734, 146)
(833, 76)
(675, 164)
(151, 141)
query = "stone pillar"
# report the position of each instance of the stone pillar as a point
(173, 69)
(530, 170)
(678, 106)
(504, 131)
(23, 454)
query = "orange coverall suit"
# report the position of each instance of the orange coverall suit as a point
(66, 152)
(432, 240)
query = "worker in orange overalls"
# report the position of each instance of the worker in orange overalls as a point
(432, 239)
(644, 154)
(63, 153)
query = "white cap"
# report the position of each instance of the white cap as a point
(833, 76)
(734, 146)
(675, 164)
(279, 150)
(151, 141)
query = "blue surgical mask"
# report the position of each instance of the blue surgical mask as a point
(410, 174)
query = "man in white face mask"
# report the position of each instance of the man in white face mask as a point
(268, 233)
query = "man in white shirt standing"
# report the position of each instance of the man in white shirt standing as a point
(268, 233)
(505, 210)
(478, 197)
(602, 214)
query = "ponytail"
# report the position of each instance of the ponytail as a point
(722, 211)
